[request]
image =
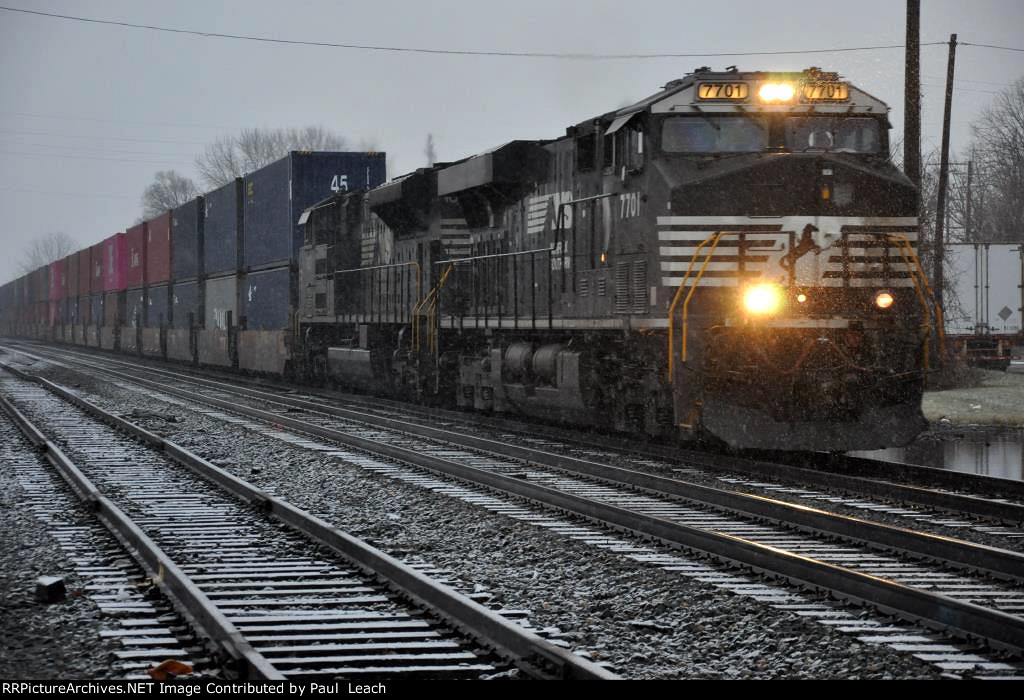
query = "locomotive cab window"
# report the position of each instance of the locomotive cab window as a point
(843, 134)
(713, 135)
(586, 152)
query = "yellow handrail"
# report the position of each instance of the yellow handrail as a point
(925, 297)
(713, 239)
(429, 302)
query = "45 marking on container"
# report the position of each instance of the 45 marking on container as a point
(629, 205)
(339, 183)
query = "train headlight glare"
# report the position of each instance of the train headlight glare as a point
(776, 92)
(762, 299)
(801, 298)
(884, 300)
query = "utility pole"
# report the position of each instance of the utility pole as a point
(912, 97)
(940, 211)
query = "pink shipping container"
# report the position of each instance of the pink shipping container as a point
(84, 272)
(115, 263)
(58, 290)
(158, 249)
(135, 261)
(96, 266)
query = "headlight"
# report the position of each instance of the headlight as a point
(762, 299)
(776, 92)
(884, 300)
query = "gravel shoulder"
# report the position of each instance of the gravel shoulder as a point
(645, 621)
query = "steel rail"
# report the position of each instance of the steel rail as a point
(163, 571)
(534, 655)
(999, 629)
(858, 474)
(999, 562)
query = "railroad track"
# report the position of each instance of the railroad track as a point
(893, 569)
(144, 626)
(251, 572)
(929, 495)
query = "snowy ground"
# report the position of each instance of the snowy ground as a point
(999, 400)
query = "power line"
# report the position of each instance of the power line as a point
(179, 125)
(21, 190)
(115, 160)
(98, 137)
(456, 52)
(990, 46)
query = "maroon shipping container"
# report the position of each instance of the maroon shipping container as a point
(96, 268)
(84, 272)
(135, 259)
(41, 289)
(158, 249)
(71, 275)
(57, 282)
(115, 263)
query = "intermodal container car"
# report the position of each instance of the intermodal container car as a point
(277, 194)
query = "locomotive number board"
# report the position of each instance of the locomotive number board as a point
(826, 92)
(722, 91)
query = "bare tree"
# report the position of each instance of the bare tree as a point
(429, 151)
(168, 190)
(233, 156)
(999, 150)
(44, 250)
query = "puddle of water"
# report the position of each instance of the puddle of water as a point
(996, 453)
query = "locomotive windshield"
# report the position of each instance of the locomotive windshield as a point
(847, 134)
(713, 135)
(752, 134)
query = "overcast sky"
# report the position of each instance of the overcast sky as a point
(89, 113)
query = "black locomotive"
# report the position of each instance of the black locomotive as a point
(734, 256)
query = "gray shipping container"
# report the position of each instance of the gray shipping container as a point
(221, 299)
(134, 308)
(222, 229)
(187, 238)
(277, 194)
(158, 309)
(96, 317)
(185, 301)
(268, 300)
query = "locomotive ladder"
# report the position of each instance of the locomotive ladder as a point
(713, 240)
(931, 308)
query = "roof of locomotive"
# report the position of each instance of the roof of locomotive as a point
(680, 95)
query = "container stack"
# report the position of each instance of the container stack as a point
(184, 305)
(134, 272)
(275, 197)
(222, 263)
(113, 265)
(70, 320)
(157, 310)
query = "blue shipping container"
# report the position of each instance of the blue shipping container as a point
(185, 301)
(158, 310)
(187, 238)
(276, 195)
(222, 229)
(267, 299)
